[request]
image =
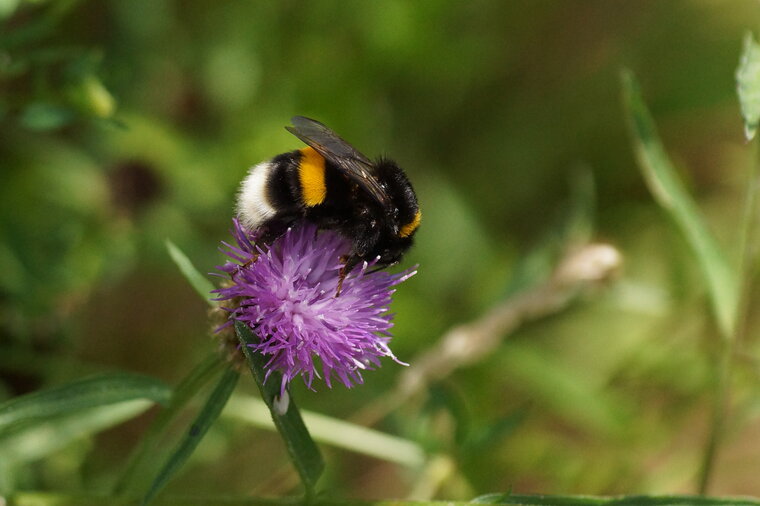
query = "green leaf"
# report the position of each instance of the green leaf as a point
(143, 460)
(91, 97)
(208, 414)
(7, 7)
(303, 452)
(669, 192)
(748, 85)
(32, 441)
(82, 394)
(34, 498)
(43, 116)
(202, 285)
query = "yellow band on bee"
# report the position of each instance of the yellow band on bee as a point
(311, 174)
(410, 227)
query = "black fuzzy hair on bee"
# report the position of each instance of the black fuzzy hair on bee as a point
(333, 185)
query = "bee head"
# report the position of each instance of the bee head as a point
(392, 252)
(404, 208)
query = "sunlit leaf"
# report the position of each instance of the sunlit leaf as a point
(669, 192)
(82, 394)
(7, 7)
(334, 432)
(207, 416)
(303, 452)
(92, 97)
(748, 85)
(201, 284)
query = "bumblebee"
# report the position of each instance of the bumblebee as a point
(333, 185)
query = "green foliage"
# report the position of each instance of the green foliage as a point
(748, 85)
(206, 416)
(39, 424)
(78, 395)
(63, 80)
(124, 123)
(145, 458)
(201, 284)
(669, 192)
(302, 450)
(42, 116)
(34, 499)
(337, 433)
(29, 442)
(637, 500)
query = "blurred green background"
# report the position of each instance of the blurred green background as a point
(123, 124)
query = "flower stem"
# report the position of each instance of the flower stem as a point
(729, 345)
(303, 452)
(720, 410)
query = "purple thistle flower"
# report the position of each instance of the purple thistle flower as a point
(286, 293)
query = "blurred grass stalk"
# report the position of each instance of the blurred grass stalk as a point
(729, 288)
(334, 432)
(748, 91)
(581, 267)
(729, 349)
(83, 499)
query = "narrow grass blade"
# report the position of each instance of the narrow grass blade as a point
(199, 282)
(748, 85)
(208, 414)
(303, 452)
(33, 441)
(34, 498)
(82, 394)
(564, 392)
(143, 461)
(670, 193)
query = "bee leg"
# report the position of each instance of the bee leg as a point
(349, 262)
(341, 277)
(251, 261)
(245, 265)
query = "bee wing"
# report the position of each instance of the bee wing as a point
(351, 162)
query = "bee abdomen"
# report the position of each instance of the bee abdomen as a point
(254, 205)
(311, 177)
(283, 187)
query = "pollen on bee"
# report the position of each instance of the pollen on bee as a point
(410, 227)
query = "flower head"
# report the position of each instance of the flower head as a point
(287, 293)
